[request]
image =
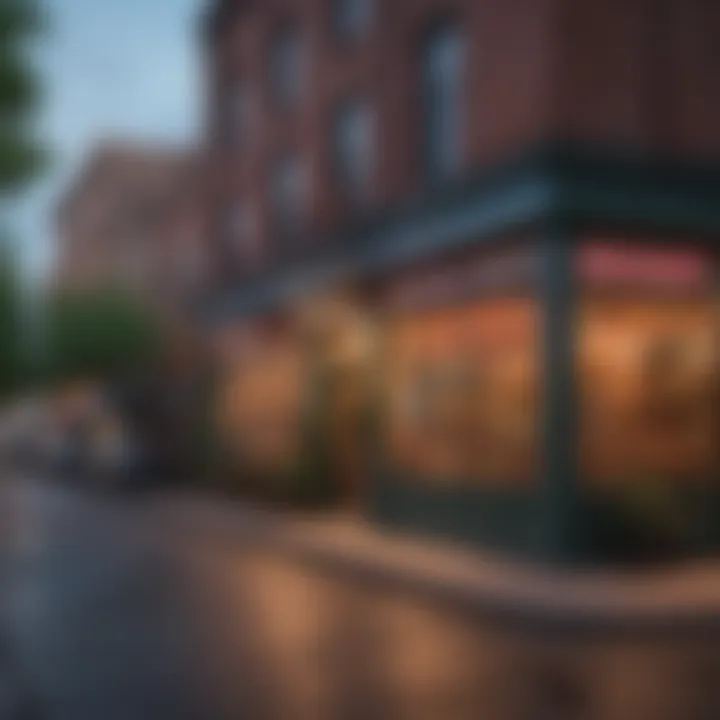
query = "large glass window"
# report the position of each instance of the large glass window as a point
(351, 17)
(353, 149)
(463, 392)
(261, 410)
(648, 367)
(463, 342)
(443, 100)
(287, 67)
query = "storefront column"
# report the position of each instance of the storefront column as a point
(715, 479)
(558, 505)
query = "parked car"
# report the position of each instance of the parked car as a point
(23, 428)
(88, 443)
(114, 457)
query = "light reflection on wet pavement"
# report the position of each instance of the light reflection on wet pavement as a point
(107, 614)
(103, 623)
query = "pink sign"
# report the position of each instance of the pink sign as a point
(616, 264)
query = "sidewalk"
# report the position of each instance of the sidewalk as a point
(346, 544)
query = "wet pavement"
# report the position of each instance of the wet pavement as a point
(109, 613)
(100, 622)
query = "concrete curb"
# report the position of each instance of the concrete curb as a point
(682, 599)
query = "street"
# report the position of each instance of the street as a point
(109, 613)
(100, 622)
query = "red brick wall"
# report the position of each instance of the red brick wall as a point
(636, 74)
(133, 219)
(507, 89)
(508, 93)
(695, 29)
(642, 74)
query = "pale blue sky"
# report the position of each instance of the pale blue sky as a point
(113, 68)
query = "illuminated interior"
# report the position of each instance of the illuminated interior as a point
(648, 388)
(264, 407)
(463, 387)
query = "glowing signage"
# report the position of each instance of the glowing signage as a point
(616, 264)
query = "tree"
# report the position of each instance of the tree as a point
(20, 161)
(11, 307)
(99, 334)
(20, 155)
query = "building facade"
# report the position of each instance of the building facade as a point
(132, 220)
(495, 227)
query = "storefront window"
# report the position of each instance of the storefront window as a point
(648, 368)
(264, 408)
(463, 392)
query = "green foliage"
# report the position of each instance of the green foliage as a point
(641, 520)
(20, 156)
(20, 161)
(19, 19)
(655, 507)
(11, 338)
(102, 334)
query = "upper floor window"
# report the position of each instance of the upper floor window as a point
(443, 64)
(287, 66)
(238, 114)
(288, 193)
(353, 149)
(351, 18)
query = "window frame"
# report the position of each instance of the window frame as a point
(287, 61)
(442, 150)
(356, 183)
(353, 28)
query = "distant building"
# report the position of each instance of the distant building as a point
(133, 219)
(495, 213)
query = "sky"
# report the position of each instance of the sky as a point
(112, 69)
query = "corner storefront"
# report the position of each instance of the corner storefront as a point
(529, 363)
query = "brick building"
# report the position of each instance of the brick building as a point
(501, 196)
(132, 219)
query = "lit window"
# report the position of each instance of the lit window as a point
(288, 194)
(287, 67)
(443, 63)
(352, 149)
(351, 17)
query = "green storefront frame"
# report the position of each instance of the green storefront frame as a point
(556, 194)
